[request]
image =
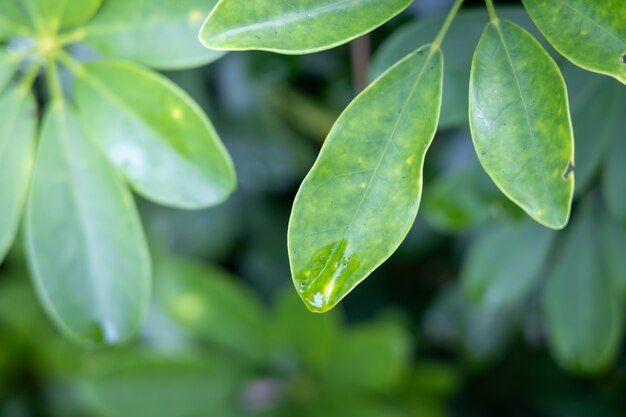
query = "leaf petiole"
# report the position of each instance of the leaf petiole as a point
(71, 37)
(29, 78)
(54, 82)
(492, 10)
(446, 24)
(69, 62)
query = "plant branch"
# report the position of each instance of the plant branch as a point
(492, 11)
(54, 82)
(446, 24)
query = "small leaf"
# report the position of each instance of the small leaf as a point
(159, 34)
(209, 303)
(290, 27)
(582, 315)
(591, 34)
(362, 195)
(96, 284)
(17, 145)
(144, 384)
(504, 265)
(520, 122)
(143, 121)
(614, 175)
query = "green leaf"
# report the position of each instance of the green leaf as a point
(373, 358)
(96, 285)
(160, 34)
(458, 49)
(212, 305)
(293, 27)
(143, 121)
(17, 145)
(78, 12)
(520, 122)
(614, 174)
(148, 385)
(13, 21)
(505, 264)
(8, 66)
(591, 34)
(582, 315)
(362, 195)
(593, 98)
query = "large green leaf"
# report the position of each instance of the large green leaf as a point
(520, 122)
(213, 306)
(155, 134)
(582, 315)
(144, 384)
(592, 34)
(614, 174)
(95, 284)
(360, 199)
(504, 265)
(593, 97)
(160, 34)
(290, 27)
(458, 49)
(17, 134)
(13, 20)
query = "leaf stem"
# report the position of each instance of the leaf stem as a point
(71, 37)
(29, 78)
(492, 11)
(54, 82)
(446, 24)
(69, 62)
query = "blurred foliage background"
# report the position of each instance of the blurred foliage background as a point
(451, 325)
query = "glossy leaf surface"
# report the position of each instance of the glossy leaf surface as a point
(155, 134)
(17, 134)
(362, 195)
(583, 317)
(160, 34)
(504, 265)
(96, 284)
(212, 305)
(290, 27)
(520, 123)
(592, 34)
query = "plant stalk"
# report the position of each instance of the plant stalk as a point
(446, 24)
(492, 10)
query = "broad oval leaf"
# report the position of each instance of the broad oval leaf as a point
(17, 145)
(582, 315)
(96, 284)
(520, 122)
(290, 27)
(504, 265)
(78, 12)
(13, 20)
(213, 306)
(591, 34)
(362, 195)
(155, 134)
(160, 34)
